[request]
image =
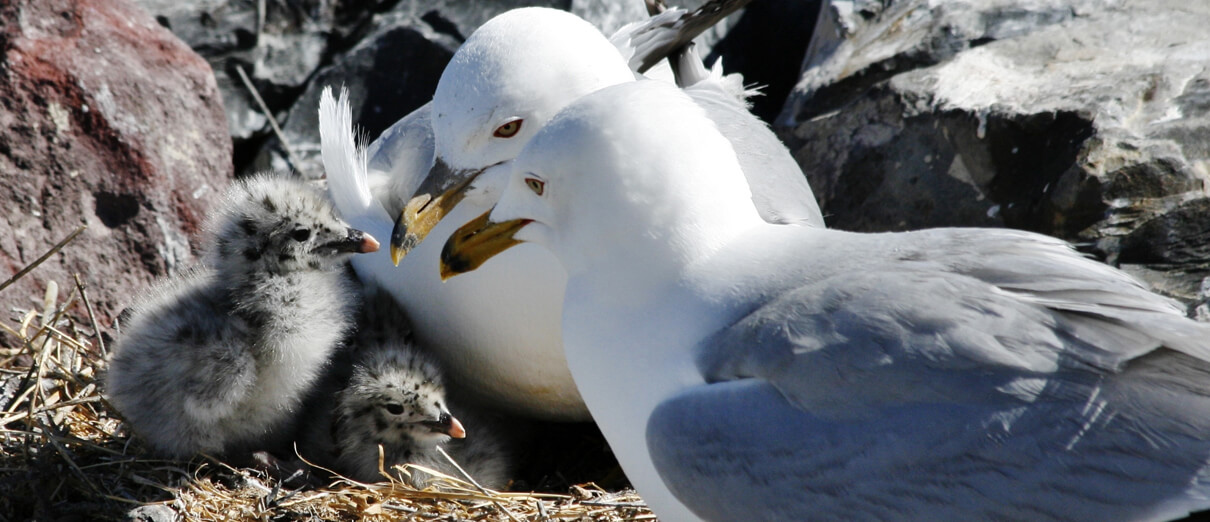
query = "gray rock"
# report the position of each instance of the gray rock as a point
(609, 16)
(1080, 119)
(459, 18)
(279, 48)
(389, 73)
(766, 43)
(115, 125)
(152, 513)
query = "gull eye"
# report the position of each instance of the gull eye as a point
(509, 129)
(300, 234)
(536, 185)
(394, 408)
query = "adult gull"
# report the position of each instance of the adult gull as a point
(497, 331)
(748, 370)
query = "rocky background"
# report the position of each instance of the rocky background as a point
(1084, 119)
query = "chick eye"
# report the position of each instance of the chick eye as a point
(300, 235)
(394, 408)
(508, 130)
(536, 185)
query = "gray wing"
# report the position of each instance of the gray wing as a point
(779, 188)
(400, 158)
(955, 373)
(946, 301)
(646, 42)
(738, 451)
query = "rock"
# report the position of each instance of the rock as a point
(282, 48)
(279, 49)
(1083, 119)
(1171, 251)
(767, 44)
(458, 18)
(1179, 236)
(278, 54)
(152, 513)
(609, 16)
(390, 73)
(106, 119)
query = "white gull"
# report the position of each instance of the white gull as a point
(748, 370)
(497, 331)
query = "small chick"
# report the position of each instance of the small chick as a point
(218, 359)
(395, 398)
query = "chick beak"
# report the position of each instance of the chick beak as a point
(437, 195)
(476, 242)
(355, 241)
(448, 425)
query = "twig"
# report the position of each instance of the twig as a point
(317, 466)
(260, 20)
(542, 510)
(268, 114)
(613, 504)
(91, 317)
(71, 462)
(397, 507)
(64, 338)
(70, 402)
(476, 484)
(120, 499)
(148, 482)
(58, 246)
(38, 371)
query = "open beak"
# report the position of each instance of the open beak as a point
(355, 241)
(448, 425)
(437, 195)
(476, 242)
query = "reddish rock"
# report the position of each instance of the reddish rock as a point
(106, 119)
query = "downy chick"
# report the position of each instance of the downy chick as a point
(389, 393)
(218, 359)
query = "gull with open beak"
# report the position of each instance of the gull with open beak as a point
(497, 330)
(745, 370)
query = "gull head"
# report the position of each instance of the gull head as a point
(634, 178)
(395, 398)
(510, 77)
(275, 224)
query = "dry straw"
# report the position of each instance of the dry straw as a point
(65, 453)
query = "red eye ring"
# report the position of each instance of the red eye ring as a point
(536, 185)
(509, 129)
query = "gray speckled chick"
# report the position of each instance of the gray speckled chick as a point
(218, 359)
(395, 398)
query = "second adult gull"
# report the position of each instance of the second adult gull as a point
(497, 331)
(747, 370)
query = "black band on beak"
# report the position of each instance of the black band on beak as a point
(356, 242)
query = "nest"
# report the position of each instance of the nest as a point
(64, 453)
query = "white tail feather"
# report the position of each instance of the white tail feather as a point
(344, 158)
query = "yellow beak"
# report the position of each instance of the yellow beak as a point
(424, 211)
(476, 242)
